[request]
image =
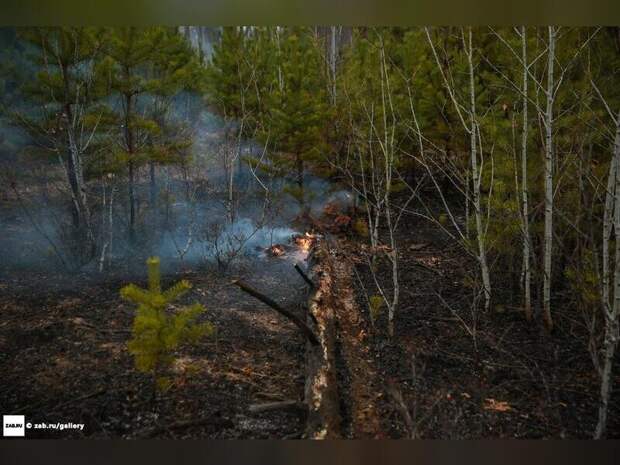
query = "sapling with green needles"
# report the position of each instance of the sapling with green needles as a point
(158, 332)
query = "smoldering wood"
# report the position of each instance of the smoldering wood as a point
(321, 386)
(321, 400)
(278, 308)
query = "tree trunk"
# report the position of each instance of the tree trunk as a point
(611, 342)
(608, 217)
(611, 314)
(299, 163)
(75, 179)
(321, 385)
(482, 255)
(524, 192)
(132, 202)
(130, 151)
(75, 175)
(549, 183)
(153, 185)
(231, 192)
(333, 63)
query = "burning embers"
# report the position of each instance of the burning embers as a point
(305, 241)
(299, 243)
(276, 250)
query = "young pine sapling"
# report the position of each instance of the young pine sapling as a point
(158, 332)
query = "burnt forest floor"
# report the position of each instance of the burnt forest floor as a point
(516, 381)
(63, 358)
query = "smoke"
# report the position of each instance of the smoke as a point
(189, 228)
(194, 220)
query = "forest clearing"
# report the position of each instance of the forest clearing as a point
(310, 232)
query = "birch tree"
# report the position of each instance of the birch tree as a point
(371, 165)
(527, 275)
(549, 88)
(332, 62)
(611, 309)
(65, 123)
(548, 173)
(467, 116)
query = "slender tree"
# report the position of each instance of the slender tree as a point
(473, 131)
(64, 121)
(525, 211)
(548, 172)
(142, 67)
(611, 309)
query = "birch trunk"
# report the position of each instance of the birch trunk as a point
(106, 250)
(153, 185)
(76, 181)
(549, 183)
(280, 77)
(611, 314)
(129, 141)
(608, 218)
(333, 63)
(524, 192)
(231, 188)
(482, 256)
(74, 169)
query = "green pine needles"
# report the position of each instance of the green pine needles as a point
(157, 332)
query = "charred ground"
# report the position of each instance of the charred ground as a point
(64, 356)
(514, 381)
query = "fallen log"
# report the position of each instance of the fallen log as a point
(363, 381)
(280, 405)
(304, 276)
(278, 308)
(320, 392)
(321, 400)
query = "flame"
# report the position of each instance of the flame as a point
(305, 242)
(276, 250)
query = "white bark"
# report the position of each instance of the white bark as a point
(333, 62)
(548, 239)
(471, 127)
(524, 192)
(280, 77)
(376, 185)
(389, 161)
(106, 250)
(612, 312)
(608, 217)
(475, 171)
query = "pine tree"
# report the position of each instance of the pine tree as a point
(230, 86)
(227, 74)
(175, 67)
(156, 331)
(297, 112)
(144, 69)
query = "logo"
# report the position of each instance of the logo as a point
(13, 425)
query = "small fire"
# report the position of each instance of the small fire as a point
(276, 250)
(305, 241)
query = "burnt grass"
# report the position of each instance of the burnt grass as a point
(63, 358)
(515, 381)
